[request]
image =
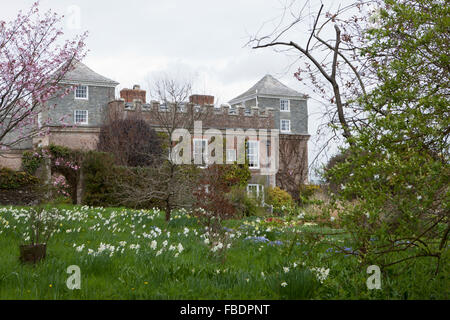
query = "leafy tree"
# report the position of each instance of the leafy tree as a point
(398, 165)
(387, 70)
(335, 160)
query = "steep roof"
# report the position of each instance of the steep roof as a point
(270, 86)
(83, 74)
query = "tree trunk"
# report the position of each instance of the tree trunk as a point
(168, 210)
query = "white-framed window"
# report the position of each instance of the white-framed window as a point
(232, 110)
(200, 151)
(284, 105)
(82, 92)
(231, 155)
(253, 154)
(248, 112)
(81, 116)
(163, 107)
(285, 125)
(256, 191)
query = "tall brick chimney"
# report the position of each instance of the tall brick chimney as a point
(199, 99)
(136, 93)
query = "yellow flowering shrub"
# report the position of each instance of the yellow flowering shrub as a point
(279, 197)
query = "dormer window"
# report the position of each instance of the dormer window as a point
(284, 105)
(81, 92)
(232, 110)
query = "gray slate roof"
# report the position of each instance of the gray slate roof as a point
(83, 74)
(268, 85)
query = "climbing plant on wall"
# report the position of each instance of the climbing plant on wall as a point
(62, 160)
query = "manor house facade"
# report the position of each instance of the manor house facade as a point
(75, 120)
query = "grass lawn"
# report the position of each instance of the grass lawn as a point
(135, 254)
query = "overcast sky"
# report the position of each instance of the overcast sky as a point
(134, 41)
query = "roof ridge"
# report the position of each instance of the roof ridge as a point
(81, 72)
(269, 85)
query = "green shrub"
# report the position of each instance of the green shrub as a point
(278, 197)
(31, 161)
(104, 182)
(240, 174)
(10, 179)
(97, 168)
(245, 205)
(64, 152)
(332, 182)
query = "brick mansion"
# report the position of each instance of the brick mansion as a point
(268, 104)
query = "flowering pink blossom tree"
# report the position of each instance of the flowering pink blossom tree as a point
(33, 61)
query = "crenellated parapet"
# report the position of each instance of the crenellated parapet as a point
(241, 111)
(222, 117)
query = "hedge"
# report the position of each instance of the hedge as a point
(97, 171)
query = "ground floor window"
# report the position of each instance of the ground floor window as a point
(256, 191)
(81, 117)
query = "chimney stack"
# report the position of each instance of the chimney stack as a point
(136, 93)
(199, 99)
